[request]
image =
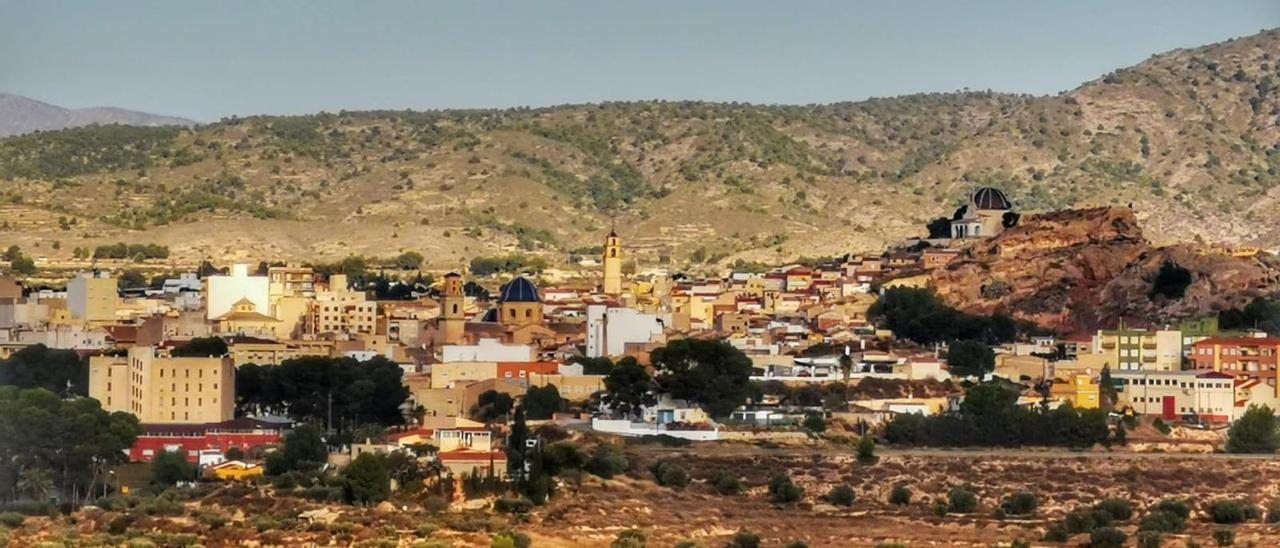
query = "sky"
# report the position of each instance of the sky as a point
(207, 60)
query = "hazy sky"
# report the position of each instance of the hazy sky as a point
(210, 59)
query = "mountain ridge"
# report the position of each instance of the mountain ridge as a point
(20, 115)
(1189, 138)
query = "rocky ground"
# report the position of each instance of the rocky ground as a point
(591, 512)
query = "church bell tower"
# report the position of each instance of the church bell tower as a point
(612, 265)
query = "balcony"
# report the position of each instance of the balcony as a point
(1148, 346)
(1108, 346)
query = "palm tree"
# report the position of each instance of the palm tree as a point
(36, 483)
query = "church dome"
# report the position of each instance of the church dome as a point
(991, 198)
(520, 290)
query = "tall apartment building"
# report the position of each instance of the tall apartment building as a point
(1247, 357)
(1141, 350)
(160, 390)
(340, 310)
(92, 297)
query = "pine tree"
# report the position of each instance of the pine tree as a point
(517, 445)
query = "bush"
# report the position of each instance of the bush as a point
(939, 509)
(1224, 537)
(1057, 533)
(814, 422)
(1232, 511)
(1273, 512)
(1162, 521)
(1175, 507)
(900, 495)
(783, 490)
(1150, 539)
(120, 524)
(1107, 537)
(1084, 521)
(726, 483)
(513, 506)
(1118, 509)
(961, 501)
(607, 461)
(1020, 504)
(12, 520)
(631, 538)
(669, 474)
(745, 539)
(866, 450)
(841, 495)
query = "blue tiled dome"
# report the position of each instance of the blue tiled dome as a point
(520, 290)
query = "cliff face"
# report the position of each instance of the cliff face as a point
(1083, 269)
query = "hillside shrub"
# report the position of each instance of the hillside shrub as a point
(12, 520)
(900, 495)
(1118, 509)
(726, 483)
(1163, 522)
(630, 538)
(1224, 536)
(961, 501)
(669, 474)
(1057, 533)
(1230, 512)
(607, 461)
(1150, 539)
(841, 495)
(1173, 506)
(1273, 512)
(782, 490)
(513, 506)
(744, 539)
(1107, 537)
(1020, 504)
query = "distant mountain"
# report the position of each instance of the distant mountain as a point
(1188, 140)
(20, 115)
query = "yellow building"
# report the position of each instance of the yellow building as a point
(245, 351)
(162, 390)
(1081, 391)
(574, 388)
(234, 470)
(92, 298)
(1140, 350)
(340, 310)
(244, 319)
(612, 265)
(445, 374)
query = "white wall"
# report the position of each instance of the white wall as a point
(225, 291)
(486, 350)
(609, 329)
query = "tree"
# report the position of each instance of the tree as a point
(131, 279)
(1107, 388)
(202, 347)
(814, 422)
(841, 495)
(628, 388)
(36, 483)
(366, 480)
(1171, 281)
(491, 406)
(543, 402)
(919, 315)
(939, 228)
(408, 260)
(39, 366)
(783, 490)
(606, 461)
(516, 445)
(970, 358)
(711, 373)
(23, 265)
(316, 389)
(303, 449)
(867, 449)
(72, 438)
(1254, 432)
(170, 467)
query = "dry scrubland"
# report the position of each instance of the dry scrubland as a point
(594, 511)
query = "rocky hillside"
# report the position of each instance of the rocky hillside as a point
(1189, 138)
(19, 115)
(1081, 269)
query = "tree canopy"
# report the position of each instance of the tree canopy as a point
(629, 387)
(1255, 431)
(918, 315)
(39, 366)
(990, 417)
(970, 358)
(543, 402)
(303, 389)
(710, 373)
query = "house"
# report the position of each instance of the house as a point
(1081, 391)
(1208, 396)
(470, 451)
(235, 470)
(1246, 357)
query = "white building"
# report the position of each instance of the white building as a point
(226, 291)
(486, 350)
(611, 328)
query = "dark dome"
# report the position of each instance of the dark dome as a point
(991, 198)
(490, 315)
(520, 290)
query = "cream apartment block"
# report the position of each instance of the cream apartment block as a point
(162, 390)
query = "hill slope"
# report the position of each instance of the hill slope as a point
(1189, 138)
(19, 115)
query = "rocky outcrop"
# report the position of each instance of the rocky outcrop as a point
(1083, 269)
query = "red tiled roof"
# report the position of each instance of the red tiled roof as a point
(1241, 341)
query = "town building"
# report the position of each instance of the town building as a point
(164, 390)
(983, 216)
(92, 298)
